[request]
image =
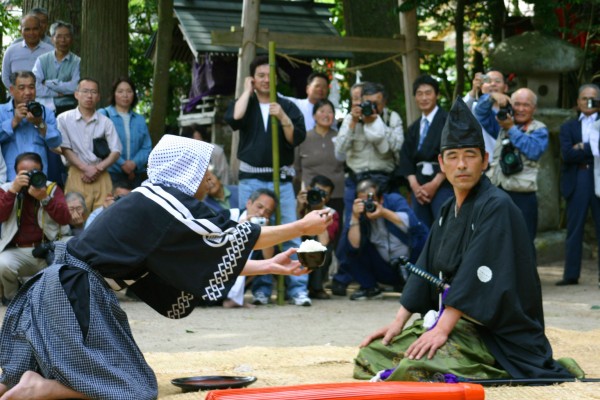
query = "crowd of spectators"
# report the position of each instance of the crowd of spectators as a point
(63, 161)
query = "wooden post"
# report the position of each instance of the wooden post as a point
(247, 52)
(410, 60)
(275, 154)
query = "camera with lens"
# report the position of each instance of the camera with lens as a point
(258, 220)
(368, 108)
(35, 108)
(315, 196)
(510, 158)
(593, 103)
(504, 112)
(44, 250)
(369, 204)
(37, 179)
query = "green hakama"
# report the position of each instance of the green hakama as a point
(464, 355)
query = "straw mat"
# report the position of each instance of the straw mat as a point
(283, 366)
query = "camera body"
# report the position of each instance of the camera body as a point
(368, 108)
(258, 220)
(44, 250)
(37, 178)
(36, 109)
(315, 196)
(510, 158)
(369, 204)
(593, 103)
(504, 112)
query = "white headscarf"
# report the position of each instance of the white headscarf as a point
(179, 162)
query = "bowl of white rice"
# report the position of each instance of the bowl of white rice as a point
(311, 254)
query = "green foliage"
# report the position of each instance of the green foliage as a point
(9, 22)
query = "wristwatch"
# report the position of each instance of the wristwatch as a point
(42, 125)
(44, 202)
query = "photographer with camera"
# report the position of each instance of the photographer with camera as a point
(33, 213)
(491, 102)
(370, 137)
(521, 142)
(315, 198)
(579, 146)
(25, 125)
(382, 230)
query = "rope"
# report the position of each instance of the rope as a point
(294, 61)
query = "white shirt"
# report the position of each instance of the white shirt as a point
(587, 123)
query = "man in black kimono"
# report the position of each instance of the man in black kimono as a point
(65, 335)
(491, 316)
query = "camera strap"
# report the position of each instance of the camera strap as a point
(49, 190)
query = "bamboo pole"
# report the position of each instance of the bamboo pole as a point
(275, 146)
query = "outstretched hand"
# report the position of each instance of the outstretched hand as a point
(282, 264)
(316, 222)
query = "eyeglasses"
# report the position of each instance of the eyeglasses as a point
(78, 209)
(86, 92)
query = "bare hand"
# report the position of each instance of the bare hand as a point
(282, 264)
(276, 111)
(356, 112)
(427, 343)
(128, 167)
(37, 193)
(477, 82)
(358, 207)
(90, 173)
(430, 189)
(301, 199)
(21, 181)
(507, 123)
(76, 217)
(249, 84)
(378, 213)
(20, 112)
(421, 194)
(108, 200)
(316, 222)
(387, 333)
(500, 98)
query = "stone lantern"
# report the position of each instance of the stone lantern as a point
(537, 60)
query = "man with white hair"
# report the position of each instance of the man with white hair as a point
(65, 335)
(521, 142)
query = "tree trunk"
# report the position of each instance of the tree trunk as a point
(459, 29)
(104, 42)
(63, 10)
(160, 77)
(374, 18)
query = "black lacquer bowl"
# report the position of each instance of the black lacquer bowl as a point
(311, 259)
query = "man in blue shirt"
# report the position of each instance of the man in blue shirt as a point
(21, 56)
(520, 144)
(21, 129)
